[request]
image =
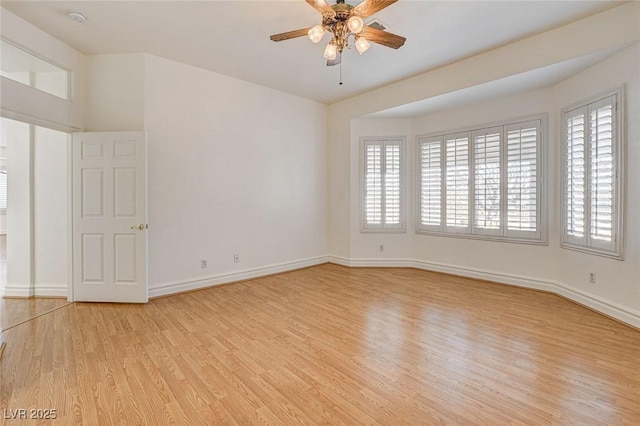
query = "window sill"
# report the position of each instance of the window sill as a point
(382, 231)
(592, 251)
(531, 241)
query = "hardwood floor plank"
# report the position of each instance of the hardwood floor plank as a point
(329, 345)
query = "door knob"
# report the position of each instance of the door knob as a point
(139, 227)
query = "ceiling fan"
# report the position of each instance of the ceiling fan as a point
(342, 21)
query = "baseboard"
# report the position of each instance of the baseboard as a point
(40, 290)
(165, 289)
(50, 290)
(371, 263)
(482, 274)
(601, 305)
(591, 301)
(17, 291)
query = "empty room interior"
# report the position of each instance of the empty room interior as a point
(320, 212)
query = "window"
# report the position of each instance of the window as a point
(592, 163)
(482, 183)
(30, 70)
(382, 184)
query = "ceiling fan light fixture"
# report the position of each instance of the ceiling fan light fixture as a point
(330, 52)
(316, 33)
(362, 45)
(355, 24)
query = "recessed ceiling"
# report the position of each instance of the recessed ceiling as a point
(232, 37)
(508, 86)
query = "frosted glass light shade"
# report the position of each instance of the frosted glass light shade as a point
(316, 33)
(355, 24)
(330, 52)
(362, 44)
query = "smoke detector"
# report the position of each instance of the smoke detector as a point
(76, 16)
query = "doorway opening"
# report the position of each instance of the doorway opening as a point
(34, 224)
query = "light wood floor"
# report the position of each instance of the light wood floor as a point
(16, 311)
(329, 345)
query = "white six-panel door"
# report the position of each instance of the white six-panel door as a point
(109, 217)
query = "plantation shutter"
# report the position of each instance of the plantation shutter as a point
(522, 147)
(487, 181)
(457, 183)
(575, 179)
(382, 186)
(392, 185)
(430, 157)
(3, 190)
(601, 173)
(373, 184)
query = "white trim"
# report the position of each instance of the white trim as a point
(30, 119)
(50, 290)
(168, 288)
(40, 290)
(371, 263)
(597, 303)
(69, 189)
(17, 290)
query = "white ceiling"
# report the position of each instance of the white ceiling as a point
(232, 37)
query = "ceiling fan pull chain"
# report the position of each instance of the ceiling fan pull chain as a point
(340, 73)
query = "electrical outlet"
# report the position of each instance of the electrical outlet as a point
(381, 247)
(592, 277)
(203, 263)
(236, 258)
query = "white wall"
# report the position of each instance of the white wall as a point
(28, 104)
(50, 211)
(509, 258)
(20, 213)
(233, 168)
(115, 92)
(37, 219)
(367, 245)
(616, 282)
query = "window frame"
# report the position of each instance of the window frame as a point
(383, 227)
(584, 244)
(540, 237)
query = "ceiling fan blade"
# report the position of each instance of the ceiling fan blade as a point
(369, 7)
(323, 7)
(336, 61)
(384, 38)
(290, 34)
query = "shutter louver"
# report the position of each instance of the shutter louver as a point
(483, 183)
(382, 185)
(457, 182)
(431, 183)
(392, 184)
(373, 185)
(487, 181)
(522, 182)
(575, 176)
(3, 190)
(592, 186)
(601, 173)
